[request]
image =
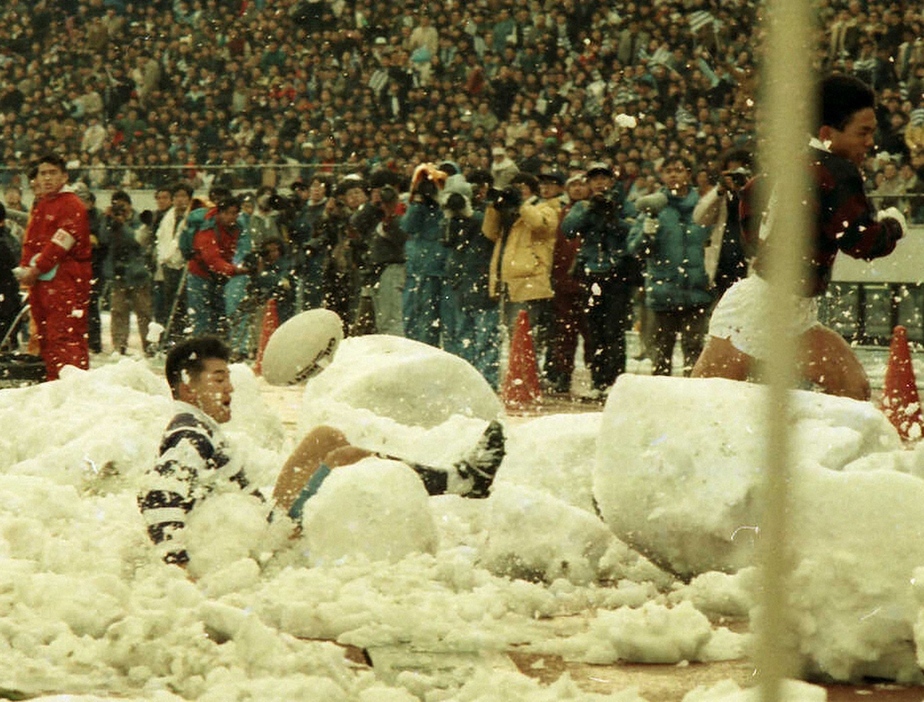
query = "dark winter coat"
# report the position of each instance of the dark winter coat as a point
(469, 261)
(426, 255)
(604, 240)
(127, 259)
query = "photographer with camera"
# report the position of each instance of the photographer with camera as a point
(308, 249)
(475, 332)
(726, 256)
(609, 274)
(128, 242)
(272, 278)
(523, 230)
(264, 222)
(382, 270)
(424, 305)
(677, 288)
(339, 249)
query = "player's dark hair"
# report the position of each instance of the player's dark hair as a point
(187, 359)
(480, 176)
(527, 179)
(677, 158)
(737, 154)
(219, 193)
(841, 97)
(325, 182)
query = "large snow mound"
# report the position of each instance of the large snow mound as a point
(679, 462)
(678, 474)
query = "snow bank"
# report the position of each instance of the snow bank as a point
(677, 476)
(679, 463)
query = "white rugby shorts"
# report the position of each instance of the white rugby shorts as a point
(742, 315)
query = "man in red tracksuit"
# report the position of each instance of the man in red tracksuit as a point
(211, 266)
(55, 266)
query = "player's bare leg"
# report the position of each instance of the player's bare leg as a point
(829, 362)
(321, 445)
(720, 359)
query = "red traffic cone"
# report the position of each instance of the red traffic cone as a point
(900, 400)
(521, 383)
(270, 324)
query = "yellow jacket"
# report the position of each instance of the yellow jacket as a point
(525, 254)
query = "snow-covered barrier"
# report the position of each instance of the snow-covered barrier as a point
(678, 476)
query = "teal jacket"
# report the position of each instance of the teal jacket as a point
(604, 241)
(675, 268)
(424, 223)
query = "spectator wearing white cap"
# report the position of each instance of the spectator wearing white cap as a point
(503, 168)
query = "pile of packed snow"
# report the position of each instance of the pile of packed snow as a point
(679, 477)
(436, 589)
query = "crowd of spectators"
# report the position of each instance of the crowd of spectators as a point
(280, 98)
(263, 93)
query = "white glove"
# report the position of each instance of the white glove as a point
(893, 213)
(650, 225)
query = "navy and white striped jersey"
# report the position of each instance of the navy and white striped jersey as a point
(194, 462)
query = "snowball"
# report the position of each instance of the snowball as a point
(375, 508)
(223, 529)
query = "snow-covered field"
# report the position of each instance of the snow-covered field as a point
(622, 535)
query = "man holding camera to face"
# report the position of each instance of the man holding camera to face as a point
(126, 267)
(608, 273)
(424, 303)
(382, 267)
(726, 254)
(523, 230)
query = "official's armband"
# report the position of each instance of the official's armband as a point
(64, 239)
